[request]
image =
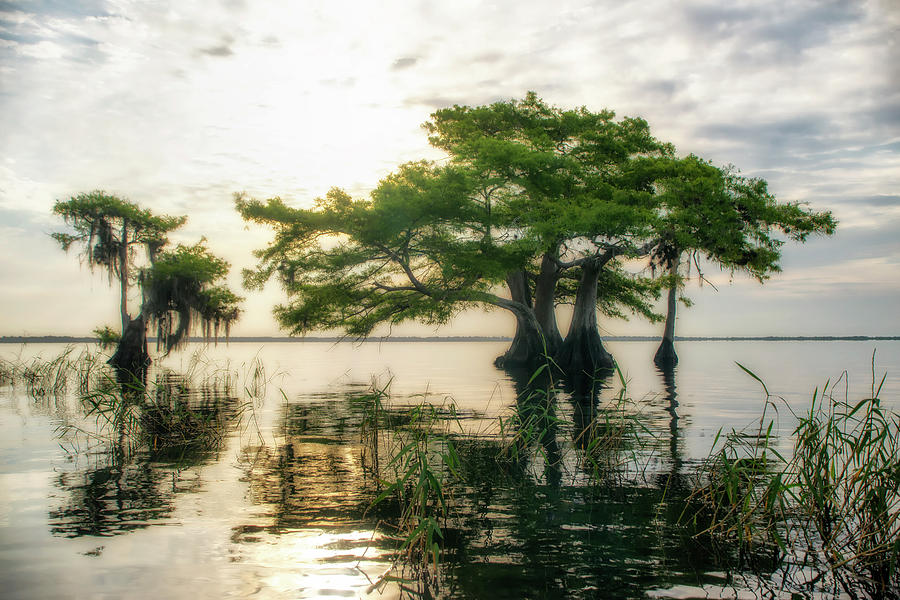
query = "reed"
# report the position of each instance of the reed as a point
(167, 416)
(7, 372)
(53, 377)
(533, 424)
(615, 437)
(418, 454)
(413, 458)
(831, 509)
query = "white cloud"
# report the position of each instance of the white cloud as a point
(177, 106)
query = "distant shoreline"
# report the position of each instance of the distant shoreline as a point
(59, 339)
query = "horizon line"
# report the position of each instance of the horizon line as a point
(38, 339)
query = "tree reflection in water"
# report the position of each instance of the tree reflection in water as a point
(528, 516)
(159, 431)
(541, 508)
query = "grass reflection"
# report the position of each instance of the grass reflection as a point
(576, 490)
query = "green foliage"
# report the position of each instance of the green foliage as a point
(181, 286)
(52, 378)
(527, 184)
(418, 249)
(178, 286)
(729, 219)
(613, 438)
(106, 336)
(110, 228)
(562, 173)
(525, 179)
(847, 470)
(419, 461)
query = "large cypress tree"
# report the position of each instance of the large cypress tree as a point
(422, 247)
(561, 172)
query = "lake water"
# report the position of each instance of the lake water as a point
(279, 507)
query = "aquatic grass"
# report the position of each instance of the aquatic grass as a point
(7, 372)
(420, 455)
(530, 430)
(371, 429)
(167, 415)
(613, 440)
(532, 424)
(170, 415)
(419, 459)
(846, 469)
(43, 378)
(830, 510)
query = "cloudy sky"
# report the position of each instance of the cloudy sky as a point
(177, 105)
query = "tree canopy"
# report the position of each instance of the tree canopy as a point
(419, 248)
(111, 231)
(551, 203)
(714, 214)
(184, 286)
(562, 173)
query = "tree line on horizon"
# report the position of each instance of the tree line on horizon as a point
(536, 206)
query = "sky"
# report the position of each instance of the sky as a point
(178, 105)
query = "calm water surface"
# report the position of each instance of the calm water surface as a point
(279, 508)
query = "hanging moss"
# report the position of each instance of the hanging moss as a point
(180, 290)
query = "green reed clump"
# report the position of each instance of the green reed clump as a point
(167, 414)
(7, 372)
(739, 496)
(372, 425)
(614, 437)
(52, 377)
(534, 422)
(846, 470)
(413, 467)
(831, 509)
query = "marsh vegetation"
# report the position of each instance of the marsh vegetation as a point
(563, 490)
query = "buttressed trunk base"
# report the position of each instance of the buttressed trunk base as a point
(527, 349)
(582, 352)
(131, 358)
(665, 356)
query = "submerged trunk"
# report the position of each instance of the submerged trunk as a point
(131, 358)
(582, 352)
(665, 355)
(545, 303)
(527, 348)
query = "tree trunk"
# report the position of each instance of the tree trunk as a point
(527, 348)
(519, 290)
(665, 355)
(131, 358)
(123, 277)
(582, 353)
(545, 303)
(522, 344)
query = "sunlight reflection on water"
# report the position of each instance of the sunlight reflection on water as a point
(280, 509)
